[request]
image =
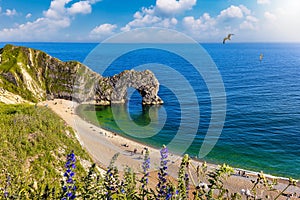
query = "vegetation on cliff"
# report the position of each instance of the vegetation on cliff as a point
(34, 143)
(34, 75)
(29, 75)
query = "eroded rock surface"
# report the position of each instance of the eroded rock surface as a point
(144, 82)
(33, 75)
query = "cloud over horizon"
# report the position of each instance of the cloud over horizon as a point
(57, 17)
(263, 1)
(10, 12)
(173, 7)
(63, 20)
(231, 19)
(103, 31)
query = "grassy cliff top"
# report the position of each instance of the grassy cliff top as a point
(34, 145)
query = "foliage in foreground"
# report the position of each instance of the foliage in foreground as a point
(33, 145)
(32, 168)
(110, 186)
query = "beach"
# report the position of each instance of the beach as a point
(102, 145)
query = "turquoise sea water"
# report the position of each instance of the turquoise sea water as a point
(262, 126)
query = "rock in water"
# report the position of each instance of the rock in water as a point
(144, 82)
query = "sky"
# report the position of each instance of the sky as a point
(97, 20)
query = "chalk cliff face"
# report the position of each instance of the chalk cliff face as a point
(28, 75)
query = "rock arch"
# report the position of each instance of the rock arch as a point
(49, 78)
(144, 82)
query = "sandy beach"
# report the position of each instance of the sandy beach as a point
(102, 145)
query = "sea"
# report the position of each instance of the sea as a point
(260, 88)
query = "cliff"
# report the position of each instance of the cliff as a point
(29, 75)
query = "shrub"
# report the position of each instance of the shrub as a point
(111, 186)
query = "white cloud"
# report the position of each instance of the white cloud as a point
(203, 23)
(103, 30)
(147, 17)
(160, 15)
(172, 7)
(232, 12)
(251, 23)
(57, 9)
(270, 16)
(245, 10)
(247, 25)
(203, 28)
(263, 1)
(10, 13)
(251, 18)
(40, 29)
(93, 1)
(236, 19)
(282, 20)
(45, 28)
(167, 23)
(192, 23)
(150, 35)
(28, 15)
(81, 7)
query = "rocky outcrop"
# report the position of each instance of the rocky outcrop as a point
(33, 75)
(114, 89)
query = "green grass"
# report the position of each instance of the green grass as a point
(11, 56)
(49, 74)
(34, 143)
(57, 80)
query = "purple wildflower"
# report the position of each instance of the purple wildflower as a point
(69, 188)
(111, 181)
(162, 189)
(5, 194)
(8, 183)
(146, 163)
(146, 167)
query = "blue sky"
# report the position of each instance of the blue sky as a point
(96, 20)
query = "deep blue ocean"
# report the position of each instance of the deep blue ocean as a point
(262, 126)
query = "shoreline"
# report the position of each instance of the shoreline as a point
(102, 144)
(247, 171)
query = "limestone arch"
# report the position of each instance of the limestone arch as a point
(144, 82)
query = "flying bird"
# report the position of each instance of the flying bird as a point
(227, 38)
(261, 56)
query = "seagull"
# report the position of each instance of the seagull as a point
(227, 38)
(261, 56)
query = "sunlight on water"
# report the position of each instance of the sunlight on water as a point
(262, 127)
